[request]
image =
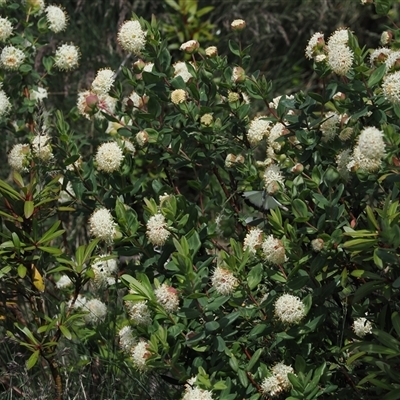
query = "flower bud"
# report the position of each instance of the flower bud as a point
(211, 51)
(190, 47)
(238, 25)
(298, 168)
(91, 102)
(207, 119)
(138, 66)
(238, 75)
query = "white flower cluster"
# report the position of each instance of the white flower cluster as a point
(6, 29)
(275, 133)
(167, 296)
(195, 393)
(131, 37)
(258, 129)
(181, 69)
(39, 94)
(391, 87)
(102, 225)
(330, 126)
(273, 250)
(273, 179)
(253, 240)
(139, 312)
(317, 244)
(140, 354)
(103, 82)
(104, 271)
(41, 147)
(369, 150)
(97, 311)
(224, 281)
(289, 309)
(278, 382)
(362, 327)
(11, 58)
(109, 157)
(156, 230)
(5, 105)
(336, 53)
(66, 57)
(126, 339)
(63, 282)
(57, 18)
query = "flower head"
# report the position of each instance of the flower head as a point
(273, 179)
(371, 144)
(41, 147)
(317, 244)
(139, 312)
(39, 94)
(379, 56)
(103, 82)
(224, 281)
(11, 58)
(56, 17)
(18, 157)
(126, 339)
(258, 129)
(362, 327)
(181, 69)
(330, 125)
(340, 58)
(140, 354)
(190, 46)
(253, 240)
(5, 104)
(391, 87)
(142, 137)
(271, 386)
(339, 37)
(6, 29)
(290, 309)
(211, 51)
(97, 311)
(178, 96)
(206, 119)
(238, 24)
(104, 271)
(193, 392)
(167, 296)
(102, 225)
(157, 232)
(109, 157)
(315, 45)
(131, 37)
(63, 282)
(343, 159)
(273, 250)
(67, 57)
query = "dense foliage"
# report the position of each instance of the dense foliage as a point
(167, 230)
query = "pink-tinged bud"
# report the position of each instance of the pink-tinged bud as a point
(298, 168)
(238, 75)
(138, 66)
(211, 51)
(190, 47)
(386, 38)
(339, 96)
(238, 24)
(91, 102)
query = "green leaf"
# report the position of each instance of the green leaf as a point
(254, 359)
(32, 360)
(299, 209)
(382, 7)
(66, 332)
(396, 322)
(387, 339)
(21, 270)
(243, 378)
(255, 276)
(234, 47)
(52, 233)
(377, 75)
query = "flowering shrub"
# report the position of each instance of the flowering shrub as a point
(135, 249)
